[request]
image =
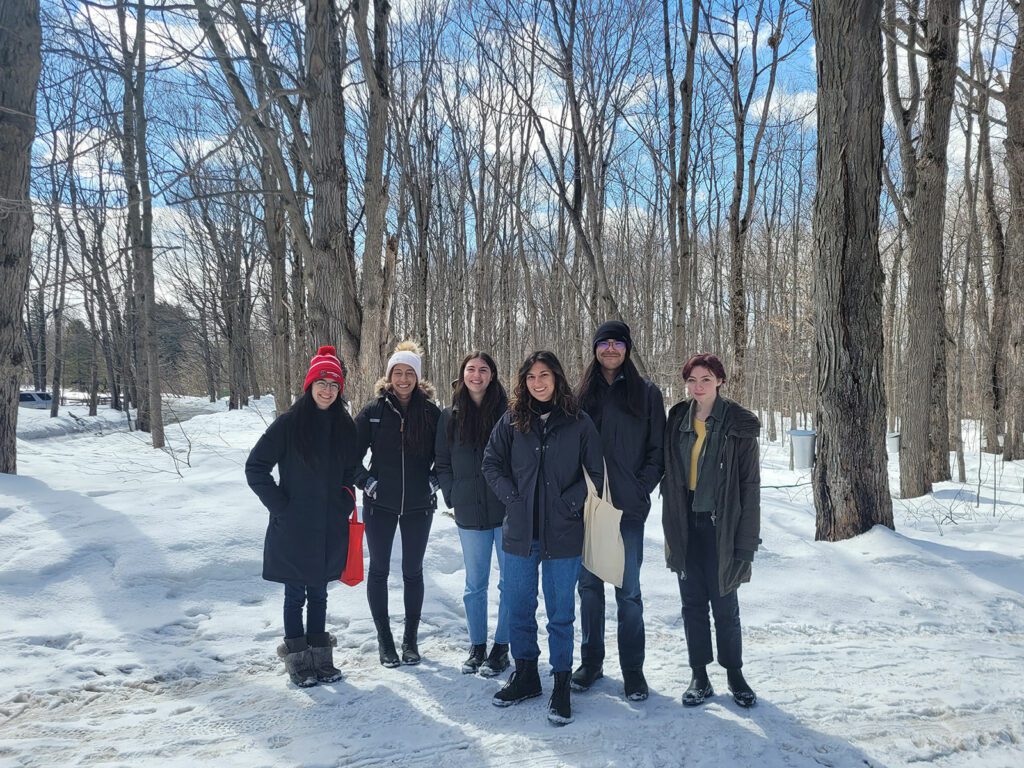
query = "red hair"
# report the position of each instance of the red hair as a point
(711, 362)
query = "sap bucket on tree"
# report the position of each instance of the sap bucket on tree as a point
(803, 447)
(892, 443)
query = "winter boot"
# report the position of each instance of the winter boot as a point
(585, 676)
(635, 685)
(298, 661)
(700, 688)
(386, 644)
(321, 645)
(410, 650)
(477, 656)
(741, 692)
(522, 684)
(560, 708)
(497, 662)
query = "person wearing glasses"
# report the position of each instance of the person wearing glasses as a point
(711, 516)
(629, 412)
(398, 428)
(306, 544)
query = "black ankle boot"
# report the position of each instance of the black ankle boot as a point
(477, 656)
(560, 707)
(523, 684)
(410, 648)
(497, 662)
(386, 644)
(741, 692)
(700, 688)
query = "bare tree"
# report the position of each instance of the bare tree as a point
(851, 491)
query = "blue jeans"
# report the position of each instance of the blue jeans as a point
(476, 551)
(629, 602)
(559, 582)
(295, 597)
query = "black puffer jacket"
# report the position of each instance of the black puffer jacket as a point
(737, 495)
(459, 471)
(543, 468)
(307, 535)
(402, 475)
(633, 446)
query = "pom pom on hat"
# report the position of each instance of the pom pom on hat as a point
(325, 365)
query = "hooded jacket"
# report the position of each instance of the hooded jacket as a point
(307, 534)
(736, 476)
(403, 476)
(459, 471)
(542, 471)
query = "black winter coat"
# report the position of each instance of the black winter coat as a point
(633, 446)
(544, 468)
(459, 470)
(737, 495)
(403, 477)
(307, 535)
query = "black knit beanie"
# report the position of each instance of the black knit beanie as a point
(614, 329)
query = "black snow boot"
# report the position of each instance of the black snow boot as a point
(298, 661)
(585, 676)
(321, 645)
(560, 708)
(522, 684)
(410, 649)
(635, 685)
(386, 644)
(497, 662)
(741, 692)
(700, 688)
(477, 656)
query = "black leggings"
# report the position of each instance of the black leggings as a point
(380, 536)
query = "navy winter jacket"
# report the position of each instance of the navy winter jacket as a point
(543, 469)
(459, 471)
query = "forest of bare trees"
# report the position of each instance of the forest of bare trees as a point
(218, 186)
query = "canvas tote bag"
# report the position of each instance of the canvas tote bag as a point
(604, 554)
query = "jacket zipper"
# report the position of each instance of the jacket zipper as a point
(401, 434)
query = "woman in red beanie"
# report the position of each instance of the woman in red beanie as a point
(306, 543)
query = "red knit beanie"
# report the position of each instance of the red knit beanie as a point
(325, 365)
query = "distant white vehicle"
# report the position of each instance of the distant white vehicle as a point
(39, 400)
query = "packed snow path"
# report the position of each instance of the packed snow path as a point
(135, 630)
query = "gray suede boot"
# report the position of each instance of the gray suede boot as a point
(321, 645)
(298, 661)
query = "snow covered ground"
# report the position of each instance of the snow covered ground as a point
(135, 630)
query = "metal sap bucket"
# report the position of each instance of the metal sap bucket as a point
(803, 447)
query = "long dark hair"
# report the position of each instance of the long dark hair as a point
(632, 398)
(301, 425)
(563, 398)
(471, 423)
(419, 428)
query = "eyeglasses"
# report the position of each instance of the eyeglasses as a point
(618, 346)
(325, 384)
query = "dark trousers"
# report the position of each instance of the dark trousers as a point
(314, 598)
(699, 589)
(380, 537)
(629, 604)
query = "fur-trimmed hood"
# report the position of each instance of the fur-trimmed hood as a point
(383, 385)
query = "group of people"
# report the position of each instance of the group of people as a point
(512, 469)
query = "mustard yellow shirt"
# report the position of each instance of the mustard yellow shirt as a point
(701, 429)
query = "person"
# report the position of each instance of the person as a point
(712, 520)
(629, 413)
(306, 543)
(398, 428)
(534, 462)
(478, 401)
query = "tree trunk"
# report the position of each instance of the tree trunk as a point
(20, 62)
(851, 492)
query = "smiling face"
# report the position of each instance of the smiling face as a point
(325, 392)
(540, 382)
(703, 385)
(476, 376)
(403, 381)
(611, 354)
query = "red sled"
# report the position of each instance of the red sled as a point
(353, 573)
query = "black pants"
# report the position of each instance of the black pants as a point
(311, 596)
(380, 537)
(699, 590)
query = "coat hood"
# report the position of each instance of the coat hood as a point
(383, 385)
